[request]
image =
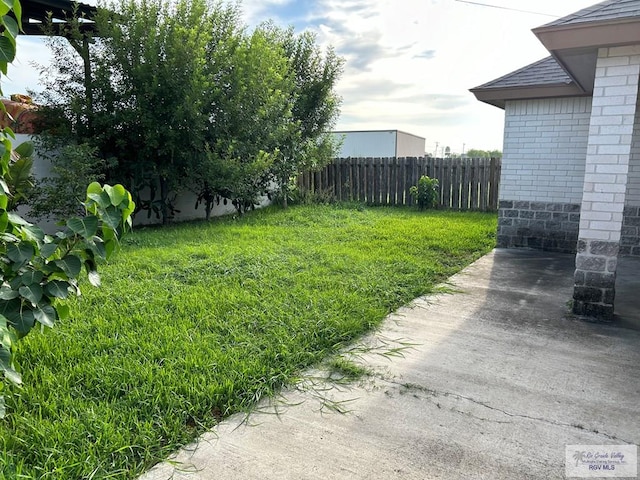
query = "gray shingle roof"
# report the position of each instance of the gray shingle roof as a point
(605, 11)
(541, 73)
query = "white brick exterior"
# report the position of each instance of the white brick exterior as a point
(545, 144)
(611, 131)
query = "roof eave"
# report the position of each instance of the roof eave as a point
(499, 96)
(590, 34)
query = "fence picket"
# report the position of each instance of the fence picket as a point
(465, 184)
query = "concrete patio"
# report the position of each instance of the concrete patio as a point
(500, 377)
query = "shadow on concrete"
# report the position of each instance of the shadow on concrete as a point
(627, 301)
(501, 378)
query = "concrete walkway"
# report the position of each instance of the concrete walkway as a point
(499, 380)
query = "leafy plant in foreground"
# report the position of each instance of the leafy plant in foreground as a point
(38, 271)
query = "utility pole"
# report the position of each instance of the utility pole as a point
(436, 154)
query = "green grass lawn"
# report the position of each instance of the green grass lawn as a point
(195, 322)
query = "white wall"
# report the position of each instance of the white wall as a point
(367, 144)
(379, 144)
(409, 145)
(545, 147)
(185, 202)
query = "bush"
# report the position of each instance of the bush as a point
(73, 167)
(425, 194)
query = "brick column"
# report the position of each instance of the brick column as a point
(605, 183)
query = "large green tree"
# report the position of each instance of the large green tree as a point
(179, 95)
(153, 66)
(143, 105)
(249, 112)
(314, 105)
(476, 153)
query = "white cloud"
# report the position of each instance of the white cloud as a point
(410, 63)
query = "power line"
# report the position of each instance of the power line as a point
(507, 8)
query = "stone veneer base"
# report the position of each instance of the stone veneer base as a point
(541, 225)
(595, 279)
(630, 240)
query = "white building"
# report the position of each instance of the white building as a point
(571, 166)
(380, 144)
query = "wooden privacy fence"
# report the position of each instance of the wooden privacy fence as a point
(465, 183)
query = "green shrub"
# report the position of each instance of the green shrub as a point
(425, 194)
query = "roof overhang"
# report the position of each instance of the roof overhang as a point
(575, 46)
(573, 42)
(499, 96)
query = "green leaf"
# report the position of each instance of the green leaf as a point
(18, 220)
(15, 283)
(17, 11)
(57, 289)
(100, 249)
(116, 193)
(111, 246)
(7, 367)
(102, 199)
(4, 219)
(112, 217)
(25, 149)
(9, 237)
(46, 315)
(7, 50)
(85, 227)
(4, 201)
(31, 276)
(94, 188)
(70, 264)
(3, 409)
(33, 233)
(19, 316)
(94, 278)
(22, 252)
(11, 25)
(11, 310)
(48, 249)
(32, 292)
(8, 293)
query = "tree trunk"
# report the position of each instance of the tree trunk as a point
(164, 195)
(83, 51)
(284, 188)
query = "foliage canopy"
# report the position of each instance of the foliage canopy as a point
(177, 96)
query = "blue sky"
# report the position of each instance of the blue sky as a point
(409, 63)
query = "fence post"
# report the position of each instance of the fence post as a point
(493, 189)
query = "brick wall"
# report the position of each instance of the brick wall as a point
(545, 144)
(615, 97)
(540, 225)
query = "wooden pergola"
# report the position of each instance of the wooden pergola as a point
(35, 13)
(57, 13)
